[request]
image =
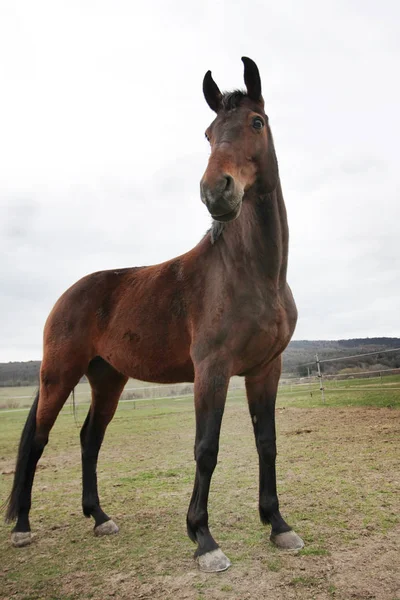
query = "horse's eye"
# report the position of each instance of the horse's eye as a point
(258, 123)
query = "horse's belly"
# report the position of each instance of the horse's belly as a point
(162, 360)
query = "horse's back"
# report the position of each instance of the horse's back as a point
(133, 318)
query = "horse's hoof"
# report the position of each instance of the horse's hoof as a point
(287, 541)
(21, 538)
(213, 562)
(106, 528)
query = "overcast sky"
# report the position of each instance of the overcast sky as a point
(102, 147)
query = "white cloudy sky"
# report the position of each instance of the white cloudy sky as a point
(102, 147)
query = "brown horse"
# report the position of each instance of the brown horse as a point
(222, 309)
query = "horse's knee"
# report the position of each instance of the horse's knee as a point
(206, 454)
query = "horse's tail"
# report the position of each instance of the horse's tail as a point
(24, 451)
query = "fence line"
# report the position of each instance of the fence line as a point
(128, 400)
(178, 391)
(336, 375)
(142, 389)
(320, 376)
(348, 357)
(359, 355)
(175, 399)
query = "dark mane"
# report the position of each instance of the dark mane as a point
(231, 100)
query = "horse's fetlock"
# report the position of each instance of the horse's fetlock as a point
(268, 506)
(88, 509)
(197, 520)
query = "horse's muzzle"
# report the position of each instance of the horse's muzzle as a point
(223, 199)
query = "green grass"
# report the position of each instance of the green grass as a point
(306, 581)
(335, 470)
(350, 392)
(310, 551)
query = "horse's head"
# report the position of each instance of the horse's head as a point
(242, 152)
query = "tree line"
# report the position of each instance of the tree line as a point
(295, 356)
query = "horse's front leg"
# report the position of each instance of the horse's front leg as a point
(261, 394)
(211, 384)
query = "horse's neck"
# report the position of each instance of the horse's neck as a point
(257, 241)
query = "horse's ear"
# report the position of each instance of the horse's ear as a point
(252, 80)
(211, 92)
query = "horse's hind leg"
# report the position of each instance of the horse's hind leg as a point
(107, 385)
(261, 394)
(55, 387)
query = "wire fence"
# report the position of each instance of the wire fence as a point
(349, 381)
(336, 358)
(333, 382)
(135, 395)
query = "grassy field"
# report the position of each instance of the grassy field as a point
(19, 397)
(22, 397)
(371, 391)
(338, 478)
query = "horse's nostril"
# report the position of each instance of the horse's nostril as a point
(228, 183)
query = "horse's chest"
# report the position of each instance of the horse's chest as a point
(246, 328)
(264, 330)
(267, 323)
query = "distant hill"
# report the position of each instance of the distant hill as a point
(19, 373)
(297, 354)
(300, 352)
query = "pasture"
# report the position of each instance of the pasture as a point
(338, 479)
